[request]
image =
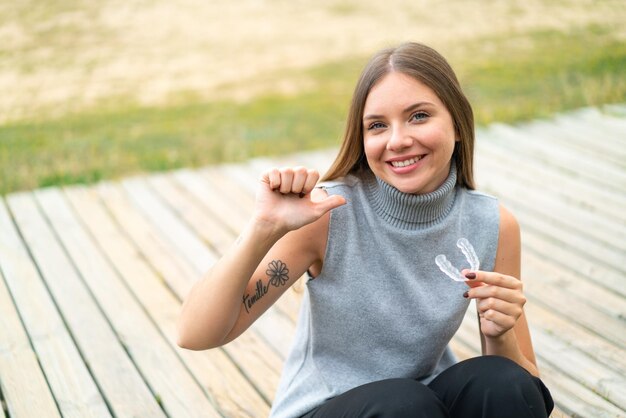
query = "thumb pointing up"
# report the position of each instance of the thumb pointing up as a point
(329, 203)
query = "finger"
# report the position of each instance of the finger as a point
(499, 319)
(272, 177)
(471, 275)
(286, 179)
(329, 203)
(492, 278)
(311, 180)
(299, 179)
(496, 292)
(493, 304)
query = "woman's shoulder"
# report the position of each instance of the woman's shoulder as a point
(481, 207)
(479, 195)
(479, 202)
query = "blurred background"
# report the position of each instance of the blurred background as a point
(104, 89)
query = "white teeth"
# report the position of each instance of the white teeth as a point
(405, 162)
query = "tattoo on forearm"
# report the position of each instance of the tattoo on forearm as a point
(277, 272)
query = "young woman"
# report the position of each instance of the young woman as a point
(382, 240)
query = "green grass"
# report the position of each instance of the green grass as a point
(509, 79)
(523, 77)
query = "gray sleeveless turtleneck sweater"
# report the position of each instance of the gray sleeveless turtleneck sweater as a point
(381, 308)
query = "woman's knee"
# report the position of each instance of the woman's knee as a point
(495, 383)
(385, 398)
(406, 397)
(497, 374)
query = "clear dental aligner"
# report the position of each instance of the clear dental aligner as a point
(451, 271)
(469, 253)
(448, 268)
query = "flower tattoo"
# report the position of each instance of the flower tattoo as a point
(277, 272)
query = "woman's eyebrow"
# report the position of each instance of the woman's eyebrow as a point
(407, 110)
(417, 105)
(369, 117)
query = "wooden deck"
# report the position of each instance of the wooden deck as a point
(91, 281)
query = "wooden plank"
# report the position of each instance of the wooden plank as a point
(564, 185)
(211, 199)
(179, 392)
(461, 351)
(581, 368)
(240, 174)
(569, 294)
(609, 118)
(184, 239)
(187, 207)
(580, 136)
(120, 383)
(220, 377)
(543, 245)
(220, 180)
(177, 274)
(573, 399)
(498, 179)
(570, 396)
(610, 355)
(66, 375)
(602, 175)
(260, 365)
(22, 382)
(593, 270)
(606, 256)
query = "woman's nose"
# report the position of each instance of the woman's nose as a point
(399, 139)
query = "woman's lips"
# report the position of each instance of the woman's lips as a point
(405, 165)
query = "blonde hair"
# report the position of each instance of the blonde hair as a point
(429, 67)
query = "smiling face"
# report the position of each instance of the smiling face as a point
(408, 134)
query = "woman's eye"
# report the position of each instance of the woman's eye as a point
(419, 116)
(375, 125)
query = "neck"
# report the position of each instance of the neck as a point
(409, 211)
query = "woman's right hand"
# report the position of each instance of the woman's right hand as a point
(284, 201)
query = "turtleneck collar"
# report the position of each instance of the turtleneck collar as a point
(411, 211)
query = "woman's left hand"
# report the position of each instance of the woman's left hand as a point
(499, 299)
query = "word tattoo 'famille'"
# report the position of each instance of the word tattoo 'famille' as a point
(277, 272)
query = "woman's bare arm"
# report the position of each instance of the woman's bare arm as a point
(500, 300)
(281, 241)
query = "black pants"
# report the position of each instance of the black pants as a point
(486, 386)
